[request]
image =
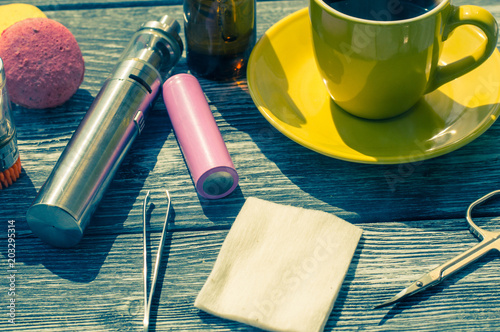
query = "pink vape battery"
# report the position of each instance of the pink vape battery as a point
(199, 137)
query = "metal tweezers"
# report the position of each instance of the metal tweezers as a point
(148, 300)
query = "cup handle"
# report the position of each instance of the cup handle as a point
(461, 15)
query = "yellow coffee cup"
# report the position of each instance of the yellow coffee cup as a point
(377, 58)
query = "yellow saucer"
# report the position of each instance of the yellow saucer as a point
(286, 87)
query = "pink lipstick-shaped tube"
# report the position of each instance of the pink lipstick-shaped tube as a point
(200, 140)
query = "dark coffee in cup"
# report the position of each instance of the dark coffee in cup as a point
(383, 10)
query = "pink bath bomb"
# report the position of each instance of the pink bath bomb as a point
(43, 63)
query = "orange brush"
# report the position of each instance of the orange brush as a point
(10, 175)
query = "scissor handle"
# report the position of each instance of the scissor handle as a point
(475, 229)
(479, 250)
(489, 241)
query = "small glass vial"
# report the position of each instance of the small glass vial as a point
(220, 35)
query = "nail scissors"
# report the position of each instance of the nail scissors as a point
(147, 301)
(489, 241)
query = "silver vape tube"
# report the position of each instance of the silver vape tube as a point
(10, 165)
(64, 205)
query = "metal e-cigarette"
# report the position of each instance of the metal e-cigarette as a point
(10, 164)
(65, 203)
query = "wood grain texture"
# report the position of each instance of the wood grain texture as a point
(412, 214)
(99, 288)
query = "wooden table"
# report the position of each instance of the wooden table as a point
(412, 214)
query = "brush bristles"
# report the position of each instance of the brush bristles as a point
(10, 175)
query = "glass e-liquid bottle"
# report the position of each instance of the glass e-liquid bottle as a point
(220, 35)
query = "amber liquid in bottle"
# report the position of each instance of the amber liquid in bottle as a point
(220, 35)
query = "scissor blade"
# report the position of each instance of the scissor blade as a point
(427, 280)
(394, 299)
